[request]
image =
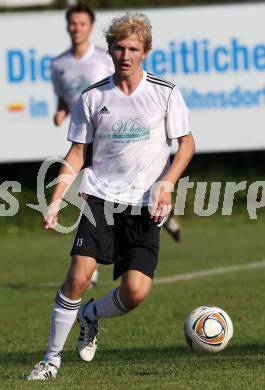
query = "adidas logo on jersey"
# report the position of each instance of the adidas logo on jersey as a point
(104, 110)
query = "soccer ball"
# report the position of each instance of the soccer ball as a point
(208, 329)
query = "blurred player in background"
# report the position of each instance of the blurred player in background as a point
(131, 117)
(77, 68)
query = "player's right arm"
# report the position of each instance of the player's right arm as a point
(81, 133)
(73, 163)
(61, 112)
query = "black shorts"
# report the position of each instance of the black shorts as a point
(131, 243)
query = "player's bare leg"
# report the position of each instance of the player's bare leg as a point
(78, 276)
(135, 286)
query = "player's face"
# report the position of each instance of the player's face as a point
(127, 55)
(79, 27)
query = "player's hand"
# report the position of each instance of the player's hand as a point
(162, 201)
(59, 117)
(50, 219)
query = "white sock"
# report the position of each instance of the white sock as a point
(94, 278)
(63, 317)
(108, 306)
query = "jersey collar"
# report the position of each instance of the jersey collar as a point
(135, 92)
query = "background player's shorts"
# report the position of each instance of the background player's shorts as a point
(131, 243)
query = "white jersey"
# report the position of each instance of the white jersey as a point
(71, 75)
(131, 136)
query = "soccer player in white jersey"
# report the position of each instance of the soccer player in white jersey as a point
(131, 117)
(78, 68)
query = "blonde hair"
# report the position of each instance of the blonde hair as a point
(130, 24)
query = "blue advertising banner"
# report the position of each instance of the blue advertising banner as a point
(214, 54)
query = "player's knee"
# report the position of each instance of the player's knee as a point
(77, 282)
(134, 298)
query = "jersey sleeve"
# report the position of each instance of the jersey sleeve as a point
(57, 87)
(81, 125)
(177, 116)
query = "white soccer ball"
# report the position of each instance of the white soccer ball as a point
(208, 329)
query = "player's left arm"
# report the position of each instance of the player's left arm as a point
(163, 199)
(181, 160)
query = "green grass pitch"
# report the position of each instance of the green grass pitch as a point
(145, 349)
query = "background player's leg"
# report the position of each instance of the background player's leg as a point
(94, 279)
(172, 226)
